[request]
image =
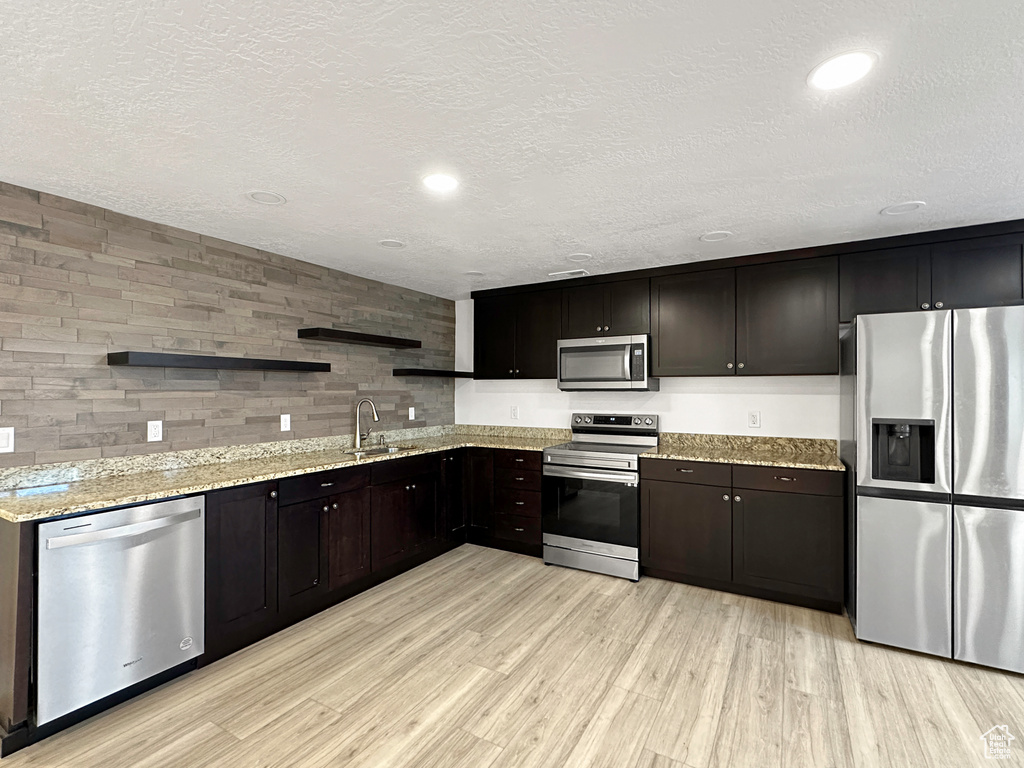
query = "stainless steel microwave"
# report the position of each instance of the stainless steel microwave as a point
(605, 362)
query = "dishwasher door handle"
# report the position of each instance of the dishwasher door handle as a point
(122, 531)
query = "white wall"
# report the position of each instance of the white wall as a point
(790, 406)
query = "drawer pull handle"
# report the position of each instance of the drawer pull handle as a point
(686, 471)
(520, 478)
(785, 479)
(326, 485)
(520, 530)
(519, 460)
(520, 503)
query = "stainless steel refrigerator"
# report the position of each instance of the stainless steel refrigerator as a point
(937, 428)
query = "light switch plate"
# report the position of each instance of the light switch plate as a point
(6, 439)
(286, 422)
(412, 412)
(154, 431)
(754, 419)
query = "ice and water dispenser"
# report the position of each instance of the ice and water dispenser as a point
(903, 450)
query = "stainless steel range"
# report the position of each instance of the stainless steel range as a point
(591, 494)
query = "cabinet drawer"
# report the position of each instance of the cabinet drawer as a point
(817, 482)
(517, 478)
(518, 528)
(530, 460)
(319, 485)
(699, 472)
(393, 470)
(514, 501)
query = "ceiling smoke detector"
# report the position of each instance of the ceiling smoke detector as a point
(842, 70)
(440, 182)
(263, 197)
(715, 237)
(901, 208)
(391, 244)
(569, 273)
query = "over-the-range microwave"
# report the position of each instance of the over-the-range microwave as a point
(605, 363)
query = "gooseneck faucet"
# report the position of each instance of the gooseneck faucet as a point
(359, 429)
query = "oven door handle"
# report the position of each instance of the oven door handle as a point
(623, 478)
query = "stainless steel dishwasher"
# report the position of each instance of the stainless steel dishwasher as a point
(120, 600)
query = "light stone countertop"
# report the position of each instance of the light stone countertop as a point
(37, 493)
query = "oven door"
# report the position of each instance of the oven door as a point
(591, 506)
(600, 363)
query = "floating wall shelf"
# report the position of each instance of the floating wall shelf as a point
(432, 372)
(171, 360)
(354, 337)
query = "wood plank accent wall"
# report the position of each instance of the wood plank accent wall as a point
(77, 281)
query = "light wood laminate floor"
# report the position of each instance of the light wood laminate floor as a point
(485, 659)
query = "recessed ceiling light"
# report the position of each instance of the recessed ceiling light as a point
(580, 257)
(714, 237)
(391, 244)
(901, 208)
(266, 198)
(474, 273)
(440, 182)
(842, 70)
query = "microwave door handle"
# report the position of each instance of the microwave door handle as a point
(122, 531)
(625, 362)
(623, 478)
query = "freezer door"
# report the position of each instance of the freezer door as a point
(904, 580)
(988, 401)
(903, 372)
(989, 587)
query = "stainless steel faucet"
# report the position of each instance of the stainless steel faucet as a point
(359, 429)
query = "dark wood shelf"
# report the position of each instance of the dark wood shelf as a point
(432, 372)
(354, 337)
(171, 360)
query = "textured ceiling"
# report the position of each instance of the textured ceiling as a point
(617, 127)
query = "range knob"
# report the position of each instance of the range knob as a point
(588, 419)
(648, 421)
(579, 419)
(636, 419)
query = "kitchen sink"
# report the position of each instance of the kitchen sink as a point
(381, 451)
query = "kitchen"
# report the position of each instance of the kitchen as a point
(331, 464)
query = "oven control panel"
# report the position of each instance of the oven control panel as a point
(615, 421)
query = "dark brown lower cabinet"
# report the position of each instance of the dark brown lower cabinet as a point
(453, 511)
(687, 529)
(348, 546)
(478, 488)
(241, 567)
(789, 542)
(302, 554)
(404, 519)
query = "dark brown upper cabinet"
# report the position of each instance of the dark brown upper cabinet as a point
(693, 318)
(622, 308)
(787, 318)
(984, 272)
(515, 335)
(892, 280)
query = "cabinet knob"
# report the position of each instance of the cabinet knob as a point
(925, 305)
(334, 506)
(315, 582)
(739, 365)
(414, 487)
(273, 494)
(407, 487)
(938, 305)
(517, 370)
(510, 370)
(606, 327)
(737, 498)
(326, 507)
(725, 497)
(728, 365)
(598, 328)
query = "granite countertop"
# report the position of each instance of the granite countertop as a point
(37, 493)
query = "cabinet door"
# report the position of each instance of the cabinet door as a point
(391, 510)
(302, 553)
(538, 325)
(583, 311)
(986, 272)
(694, 324)
(478, 485)
(687, 529)
(893, 280)
(450, 495)
(241, 567)
(494, 337)
(628, 307)
(789, 542)
(424, 524)
(787, 318)
(348, 525)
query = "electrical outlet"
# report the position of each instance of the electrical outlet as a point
(412, 412)
(515, 411)
(286, 422)
(7, 440)
(154, 431)
(754, 419)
